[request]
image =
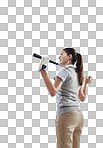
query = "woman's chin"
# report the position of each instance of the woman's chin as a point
(61, 63)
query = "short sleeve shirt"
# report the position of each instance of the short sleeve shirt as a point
(67, 96)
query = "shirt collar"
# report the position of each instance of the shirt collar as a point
(71, 66)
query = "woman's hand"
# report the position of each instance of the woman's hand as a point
(88, 79)
(83, 93)
(43, 63)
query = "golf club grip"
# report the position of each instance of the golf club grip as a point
(37, 56)
(40, 57)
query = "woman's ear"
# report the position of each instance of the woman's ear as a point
(69, 56)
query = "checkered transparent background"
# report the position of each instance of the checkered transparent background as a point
(27, 111)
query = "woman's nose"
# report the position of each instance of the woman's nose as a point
(59, 57)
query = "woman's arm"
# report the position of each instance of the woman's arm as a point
(52, 88)
(83, 93)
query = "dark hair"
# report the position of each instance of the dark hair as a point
(76, 57)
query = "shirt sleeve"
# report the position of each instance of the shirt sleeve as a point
(62, 74)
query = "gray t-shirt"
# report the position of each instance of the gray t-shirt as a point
(67, 96)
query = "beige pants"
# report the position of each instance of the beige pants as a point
(68, 129)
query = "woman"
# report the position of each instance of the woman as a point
(67, 88)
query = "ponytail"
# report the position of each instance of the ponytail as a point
(76, 58)
(79, 69)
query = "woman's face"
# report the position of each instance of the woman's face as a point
(64, 58)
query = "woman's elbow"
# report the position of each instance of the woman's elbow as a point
(82, 99)
(53, 93)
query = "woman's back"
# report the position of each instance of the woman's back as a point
(67, 96)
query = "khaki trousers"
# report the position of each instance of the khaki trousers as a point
(68, 129)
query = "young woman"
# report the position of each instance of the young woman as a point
(67, 88)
